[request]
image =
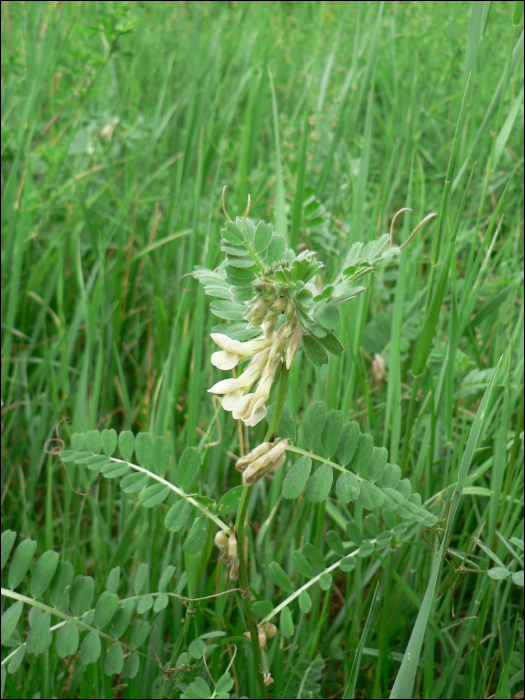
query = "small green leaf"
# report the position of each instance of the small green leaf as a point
(332, 430)
(319, 484)
(347, 487)
(296, 478)
(188, 468)
(363, 453)
(388, 517)
(232, 233)
(331, 343)
(347, 564)
(228, 310)
(348, 442)
(354, 532)
(305, 602)
(10, 620)
(279, 577)
(229, 503)
(120, 620)
(166, 577)
(113, 580)
(377, 463)
(78, 441)
(90, 650)
(335, 543)
(261, 608)
(44, 571)
(81, 595)
(328, 316)
(145, 603)
(178, 515)
(384, 538)
(314, 556)
(67, 640)
(301, 564)
(276, 249)
(370, 496)
(371, 524)
(404, 487)
(134, 482)
(126, 444)
(131, 666)
(224, 685)
(144, 449)
(114, 470)
(197, 536)
(391, 476)
(197, 648)
(153, 495)
(313, 424)
(109, 441)
(286, 622)
(517, 578)
(262, 238)
(15, 662)
(161, 602)
(498, 572)
(21, 562)
(365, 550)
(161, 455)
(38, 639)
(139, 632)
(141, 578)
(114, 660)
(325, 581)
(286, 427)
(105, 608)
(314, 351)
(61, 581)
(93, 440)
(8, 540)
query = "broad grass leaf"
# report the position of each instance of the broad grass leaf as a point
(301, 564)
(160, 459)
(153, 495)
(81, 595)
(178, 515)
(370, 496)
(109, 440)
(131, 666)
(21, 562)
(347, 487)
(305, 602)
(114, 660)
(279, 577)
(8, 540)
(261, 608)
(334, 541)
(38, 639)
(67, 639)
(141, 578)
(296, 477)
(319, 484)
(363, 453)
(286, 622)
(332, 430)
(197, 536)
(90, 649)
(313, 424)
(188, 467)
(133, 482)
(126, 445)
(377, 464)
(10, 620)
(43, 573)
(105, 608)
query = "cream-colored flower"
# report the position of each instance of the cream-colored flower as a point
(293, 344)
(259, 451)
(267, 464)
(233, 351)
(234, 389)
(251, 408)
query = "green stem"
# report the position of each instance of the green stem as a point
(239, 530)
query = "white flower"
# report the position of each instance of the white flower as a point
(251, 408)
(233, 351)
(234, 389)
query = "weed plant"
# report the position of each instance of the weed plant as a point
(370, 541)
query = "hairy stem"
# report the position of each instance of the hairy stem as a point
(239, 530)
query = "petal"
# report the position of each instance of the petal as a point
(226, 343)
(224, 387)
(258, 412)
(230, 400)
(242, 405)
(224, 359)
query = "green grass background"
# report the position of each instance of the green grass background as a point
(121, 123)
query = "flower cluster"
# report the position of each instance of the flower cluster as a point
(266, 353)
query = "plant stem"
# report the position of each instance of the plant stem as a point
(239, 530)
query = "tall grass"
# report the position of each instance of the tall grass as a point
(121, 123)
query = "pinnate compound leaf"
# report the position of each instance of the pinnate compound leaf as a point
(197, 536)
(228, 310)
(313, 424)
(114, 660)
(286, 622)
(296, 478)
(126, 444)
(178, 515)
(153, 495)
(188, 467)
(363, 453)
(331, 343)
(109, 441)
(279, 577)
(348, 442)
(332, 430)
(105, 608)
(21, 562)
(328, 316)
(145, 604)
(8, 540)
(78, 441)
(10, 620)
(276, 249)
(370, 496)
(61, 581)
(404, 487)
(160, 459)
(90, 649)
(319, 484)
(197, 648)
(81, 595)
(120, 620)
(166, 577)
(44, 571)
(377, 464)
(347, 488)
(67, 640)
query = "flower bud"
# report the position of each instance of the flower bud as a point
(270, 629)
(266, 464)
(232, 547)
(259, 451)
(270, 324)
(234, 569)
(290, 309)
(293, 346)
(262, 637)
(278, 306)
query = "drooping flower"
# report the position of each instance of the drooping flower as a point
(234, 389)
(266, 464)
(233, 351)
